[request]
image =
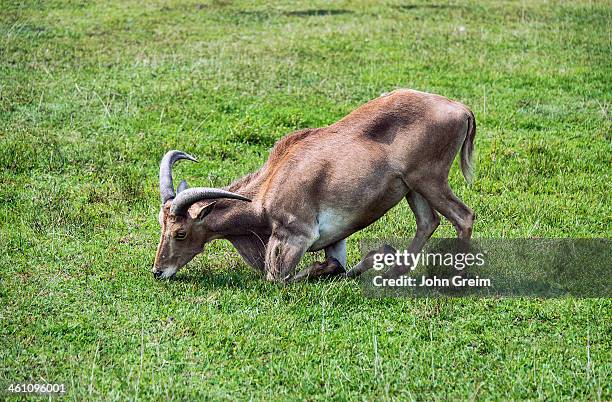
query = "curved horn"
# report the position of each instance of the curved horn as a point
(166, 188)
(182, 186)
(187, 198)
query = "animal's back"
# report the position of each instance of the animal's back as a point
(357, 168)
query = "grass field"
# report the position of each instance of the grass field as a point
(93, 94)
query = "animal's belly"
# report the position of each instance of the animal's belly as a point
(334, 225)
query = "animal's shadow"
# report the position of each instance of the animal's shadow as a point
(268, 14)
(316, 12)
(236, 278)
(409, 7)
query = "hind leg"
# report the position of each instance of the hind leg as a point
(440, 196)
(427, 221)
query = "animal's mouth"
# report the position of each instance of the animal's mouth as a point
(165, 274)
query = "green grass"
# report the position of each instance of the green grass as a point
(93, 94)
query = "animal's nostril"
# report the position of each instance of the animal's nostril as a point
(157, 274)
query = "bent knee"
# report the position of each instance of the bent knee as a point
(274, 277)
(465, 224)
(428, 227)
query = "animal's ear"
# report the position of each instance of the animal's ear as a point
(182, 186)
(205, 211)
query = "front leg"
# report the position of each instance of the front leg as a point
(337, 251)
(283, 253)
(335, 261)
(329, 268)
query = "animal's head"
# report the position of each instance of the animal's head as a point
(183, 229)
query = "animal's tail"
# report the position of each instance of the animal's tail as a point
(467, 150)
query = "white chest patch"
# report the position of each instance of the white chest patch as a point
(330, 224)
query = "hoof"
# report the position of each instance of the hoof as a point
(320, 270)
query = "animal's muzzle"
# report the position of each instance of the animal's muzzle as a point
(157, 273)
(164, 273)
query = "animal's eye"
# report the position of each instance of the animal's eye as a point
(180, 235)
